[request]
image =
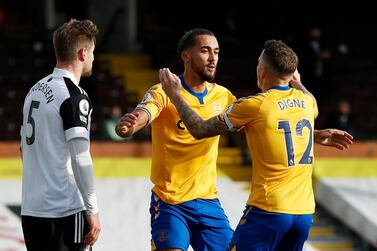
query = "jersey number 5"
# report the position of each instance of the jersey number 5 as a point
(34, 105)
(286, 127)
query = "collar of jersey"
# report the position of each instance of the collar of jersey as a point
(281, 88)
(199, 96)
(64, 73)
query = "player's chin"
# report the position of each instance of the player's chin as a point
(210, 75)
(87, 73)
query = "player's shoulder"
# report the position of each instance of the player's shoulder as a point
(63, 86)
(47, 88)
(302, 95)
(73, 89)
(252, 98)
(152, 93)
(69, 93)
(218, 88)
(43, 81)
(156, 88)
(251, 101)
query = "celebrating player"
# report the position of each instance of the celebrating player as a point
(184, 205)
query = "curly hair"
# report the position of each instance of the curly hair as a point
(280, 57)
(71, 35)
(189, 38)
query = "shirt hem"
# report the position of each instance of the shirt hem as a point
(51, 215)
(283, 211)
(176, 202)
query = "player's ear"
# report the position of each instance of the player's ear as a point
(82, 53)
(261, 71)
(185, 56)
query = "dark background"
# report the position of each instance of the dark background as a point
(348, 35)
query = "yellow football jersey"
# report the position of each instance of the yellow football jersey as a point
(183, 168)
(279, 128)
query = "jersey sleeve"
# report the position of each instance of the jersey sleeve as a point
(241, 112)
(231, 98)
(315, 109)
(154, 101)
(75, 112)
(312, 101)
(82, 167)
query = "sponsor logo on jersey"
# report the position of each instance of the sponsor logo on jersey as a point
(180, 125)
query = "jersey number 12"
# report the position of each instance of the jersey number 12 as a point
(286, 127)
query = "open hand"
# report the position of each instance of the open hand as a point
(333, 138)
(171, 84)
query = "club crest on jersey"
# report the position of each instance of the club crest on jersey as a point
(84, 107)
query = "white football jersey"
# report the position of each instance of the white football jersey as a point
(55, 111)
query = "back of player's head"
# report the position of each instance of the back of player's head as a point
(70, 36)
(280, 57)
(189, 38)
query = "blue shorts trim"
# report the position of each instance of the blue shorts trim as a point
(200, 223)
(262, 230)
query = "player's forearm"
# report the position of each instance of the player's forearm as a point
(301, 87)
(333, 138)
(317, 136)
(198, 127)
(82, 167)
(322, 136)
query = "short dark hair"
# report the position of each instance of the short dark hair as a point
(282, 59)
(72, 34)
(189, 38)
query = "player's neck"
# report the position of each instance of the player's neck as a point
(194, 83)
(72, 68)
(272, 82)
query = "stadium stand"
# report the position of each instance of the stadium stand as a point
(123, 78)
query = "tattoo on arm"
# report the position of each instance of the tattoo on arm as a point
(301, 87)
(198, 127)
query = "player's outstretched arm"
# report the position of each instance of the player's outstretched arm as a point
(199, 128)
(333, 138)
(130, 123)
